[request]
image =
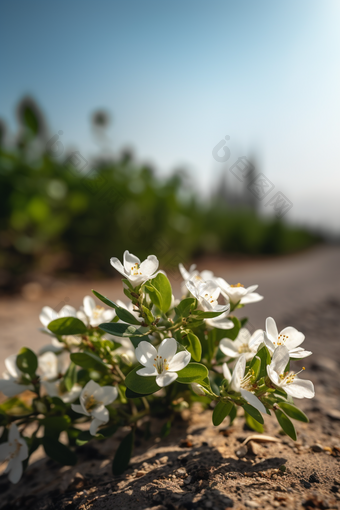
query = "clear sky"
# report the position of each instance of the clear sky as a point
(179, 75)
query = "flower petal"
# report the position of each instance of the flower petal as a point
(300, 388)
(271, 329)
(106, 394)
(254, 297)
(179, 361)
(5, 451)
(147, 371)
(129, 260)
(95, 424)
(166, 378)
(11, 388)
(280, 359)
(228, 348)
(251, 289)
(253, 400)
(226, 372)
(150, 265)
(238, 373)
(146, 353)
(11, 365)
(79, 409)
(89, 305)
(299, 353)
(118, 266)
(295, 337)
(68, 311)
(256, 339)
(167, 348)
(47, 315)
(101, 413)
(16, 471)
(23, 452)
(192, 288)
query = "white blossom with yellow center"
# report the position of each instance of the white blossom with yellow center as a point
(207, 294)
(134, 270)
(93, 400)
(245, 343)
(164, 363)
(92, 314)
(290, 337)
(241, 383)
(237, 293)
(288, 381)
(14, 451)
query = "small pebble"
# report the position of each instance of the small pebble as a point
(251, 504)
(317, 448)
(140, 473)
(164, 460)
(241, 451)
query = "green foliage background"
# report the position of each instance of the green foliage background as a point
(56, 218)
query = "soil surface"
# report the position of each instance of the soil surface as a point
(199, 466)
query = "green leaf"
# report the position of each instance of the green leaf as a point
(150, 318)
(27, 361)
(232, 414)
(255, 365)
(123, 454)
(67, 326)
(221, 411)
(121, 312)
(285, 424)
(70, 378)
(143, 385)
(254, 413)
(126, 316)
(132, 394)
(265, 358)
(58, 451)
(105, 300)
(194, 347)
(88, 360)
(253, 424)
(184, 308)
(56, 424)
(160, 292)
(118, 329)
(193, 372)
(293, 412)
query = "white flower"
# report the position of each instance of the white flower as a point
(135, 271)
(207, 294)
(92, 314)
(163, 363)
(13, 380)
(48, 315)
(241, 383)
(245, 343)
(93, 400)
(52, 366)
(238, 293)
(288, 381)
(193, 275)
(55, 389)
(15, 451)
(290, 337)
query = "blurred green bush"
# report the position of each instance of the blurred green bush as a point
(56, 216)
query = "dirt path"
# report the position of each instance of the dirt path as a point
(196, 466)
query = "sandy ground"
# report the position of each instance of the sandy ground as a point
(196, 466)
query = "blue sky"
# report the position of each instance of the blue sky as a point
(178, 76)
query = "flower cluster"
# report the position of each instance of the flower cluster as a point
(113, 363)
